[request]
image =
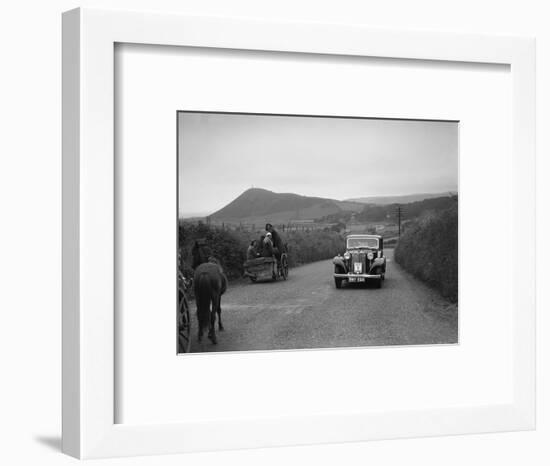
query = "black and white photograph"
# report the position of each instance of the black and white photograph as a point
(304, 232)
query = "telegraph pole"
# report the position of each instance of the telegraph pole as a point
(399, 220)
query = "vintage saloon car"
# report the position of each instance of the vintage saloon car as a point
(363, 260)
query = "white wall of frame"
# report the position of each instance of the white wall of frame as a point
(30, 244)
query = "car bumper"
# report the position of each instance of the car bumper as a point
(356, 275)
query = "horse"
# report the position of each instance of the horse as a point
(200, 252)
(210, 283)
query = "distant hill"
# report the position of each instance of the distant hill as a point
(382, 212)
(257, 205)
(373, 213)
(406, 199)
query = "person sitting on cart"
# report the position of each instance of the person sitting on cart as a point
(260, 246)
(252, 251)
(276, 239)
(267, 246)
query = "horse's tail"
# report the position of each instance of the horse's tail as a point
(202, 296)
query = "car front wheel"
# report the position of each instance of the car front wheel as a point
(338, 282)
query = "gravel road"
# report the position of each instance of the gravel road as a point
(307, 311)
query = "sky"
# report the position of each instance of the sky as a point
(222, 155)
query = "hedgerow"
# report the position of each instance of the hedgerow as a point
(428, 249)
(229, 246)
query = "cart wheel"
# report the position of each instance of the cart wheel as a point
(184, 327)
(252, 279)
(284, 266)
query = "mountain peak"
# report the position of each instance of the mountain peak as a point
(253, 191)
(259, 204)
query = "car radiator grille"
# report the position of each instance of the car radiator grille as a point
(360, 258)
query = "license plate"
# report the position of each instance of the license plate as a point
(356, 279)
(360, 279)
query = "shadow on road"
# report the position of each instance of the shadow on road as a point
(370, 285)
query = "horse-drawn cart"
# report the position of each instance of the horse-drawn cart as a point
(266, 268)
(184, 317)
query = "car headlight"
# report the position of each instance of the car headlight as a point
(347, 256)
(370, 256)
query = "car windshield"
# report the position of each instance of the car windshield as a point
(356, 243)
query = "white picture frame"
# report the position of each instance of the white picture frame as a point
(89, 38)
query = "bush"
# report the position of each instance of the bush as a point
(428, 249)
(229, 246)
(313, 245)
